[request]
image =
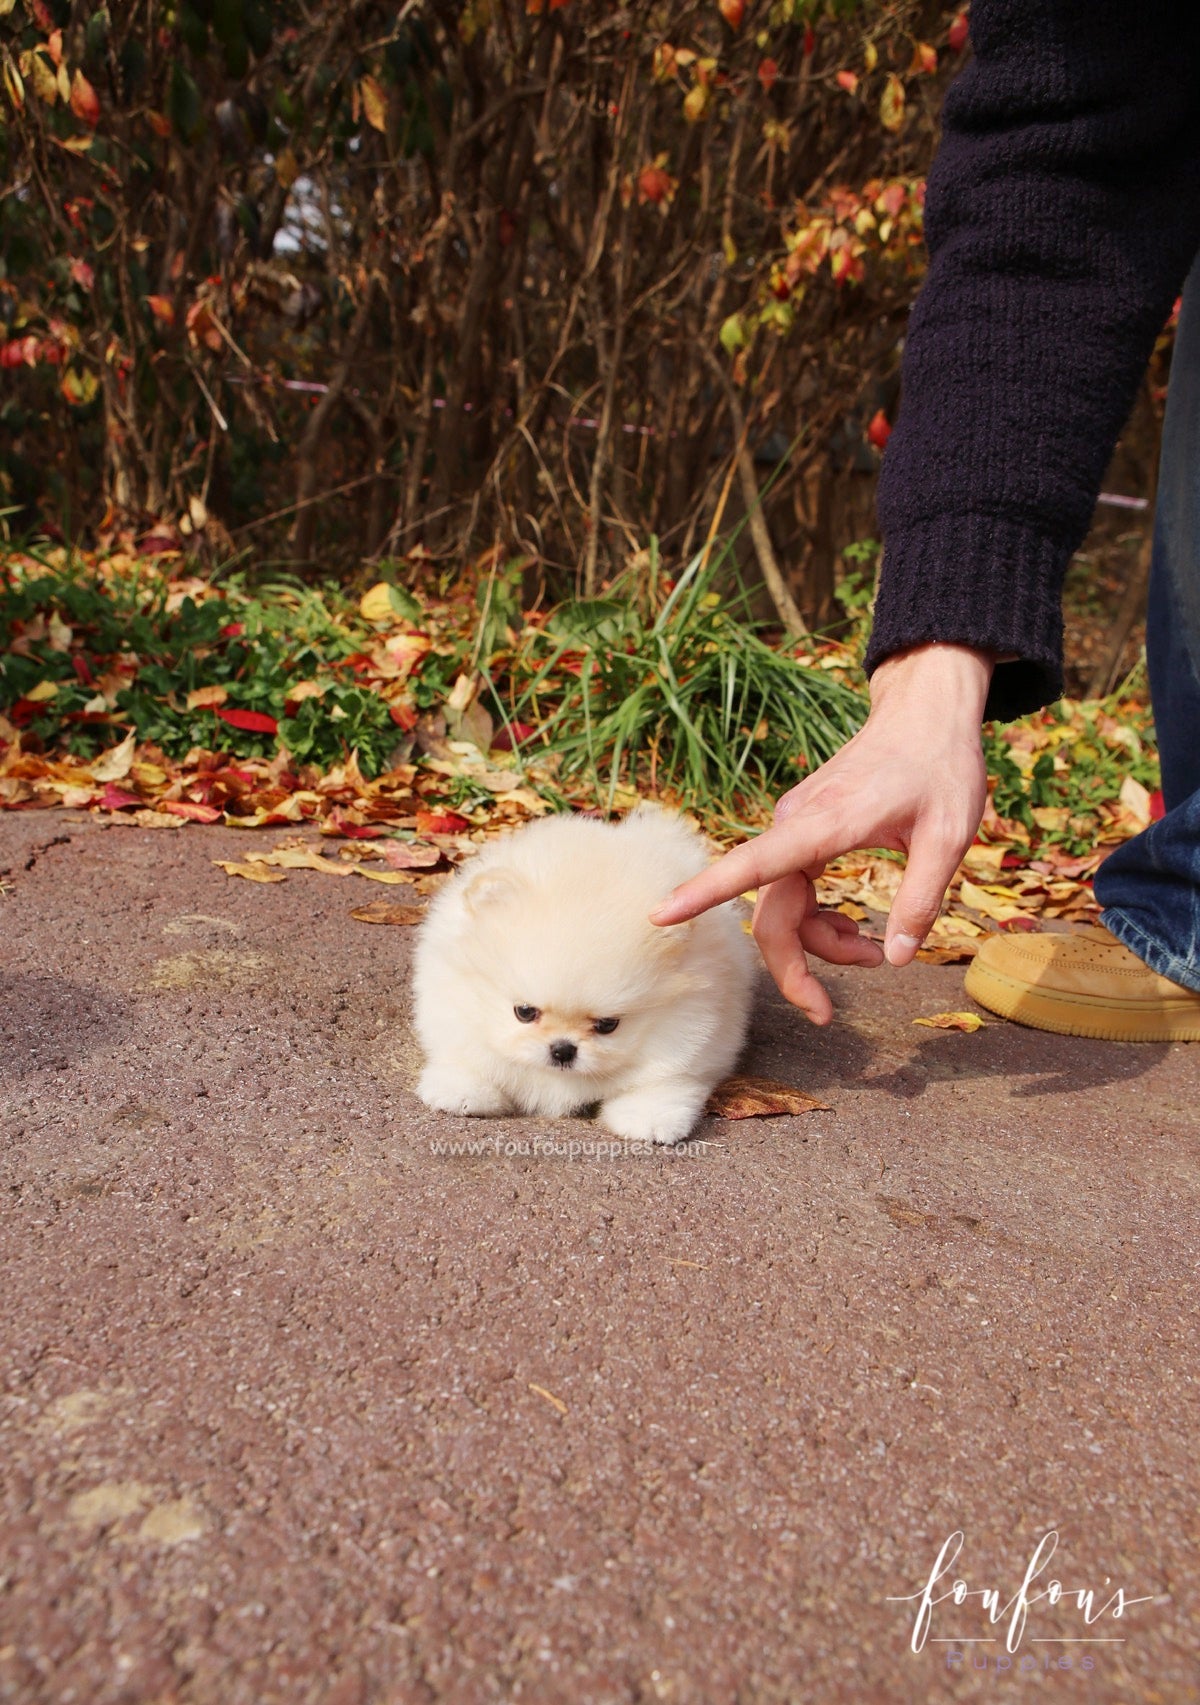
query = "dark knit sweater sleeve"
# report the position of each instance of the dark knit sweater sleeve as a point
(1062, 215)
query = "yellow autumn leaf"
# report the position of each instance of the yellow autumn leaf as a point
(984, 860)
(14, 85)
(891, 106)
(115, 764)
(298, 691)
(997, 903)
(378, 605)
(43, 692)
(374, 103)
(204, 698)
(307, 858)
(695, 103)
(43, 78)
(966, 1021)
(251, 872)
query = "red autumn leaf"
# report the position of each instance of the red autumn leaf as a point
(85, 103)
(83, 274)
(848, 80)
(1158, 809)
(340, 826)
(440, 823)
(880, 430)
(163, 309)
(189, 809)
(81, 667)
(515, 734)
(768, 71)
(117, 799)
(21, 352)
(202, 328)
(654, 184)
(251, 721)
(810, 40)
(733, 11)
(958, 33)
(233, 630)
(403, 715)
(158, 541)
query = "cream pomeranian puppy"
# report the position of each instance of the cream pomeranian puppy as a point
(541, 987)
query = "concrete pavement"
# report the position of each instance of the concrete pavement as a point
(296, 1408)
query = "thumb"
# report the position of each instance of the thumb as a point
(933, 857)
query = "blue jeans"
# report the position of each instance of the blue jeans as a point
(1150, 886)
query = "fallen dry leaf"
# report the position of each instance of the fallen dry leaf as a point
(948, 951)
(306, 858)
(410, 855)
(983, 860)
(115, 764)
(386, 912)
(759, 1098)
(202, 698)
(256, 872)
(952, 1021)
(1136, 800)
(1001, 904)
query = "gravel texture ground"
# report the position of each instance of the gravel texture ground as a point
(297, 1408)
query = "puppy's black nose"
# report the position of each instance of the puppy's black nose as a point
(563, 1053)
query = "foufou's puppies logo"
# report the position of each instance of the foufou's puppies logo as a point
(1091, 1605)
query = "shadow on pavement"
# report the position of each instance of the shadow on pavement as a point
(48, 1023)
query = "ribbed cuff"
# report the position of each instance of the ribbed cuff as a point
(973, 580)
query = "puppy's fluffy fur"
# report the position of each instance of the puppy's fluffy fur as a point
(552, 922)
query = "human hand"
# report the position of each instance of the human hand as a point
(912, 779)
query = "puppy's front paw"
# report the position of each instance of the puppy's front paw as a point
(448, 1089)
(663, 1114)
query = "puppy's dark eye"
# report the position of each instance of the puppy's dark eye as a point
(605, 1026)
(526, 1014)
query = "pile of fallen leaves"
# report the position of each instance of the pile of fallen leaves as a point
(159, 699)
(163, 700)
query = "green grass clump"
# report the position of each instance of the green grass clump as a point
(688, 701)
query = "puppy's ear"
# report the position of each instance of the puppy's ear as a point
(489, 887)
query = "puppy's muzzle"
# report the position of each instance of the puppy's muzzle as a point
(563, 1053)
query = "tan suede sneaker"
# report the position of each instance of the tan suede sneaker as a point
(1084, 984)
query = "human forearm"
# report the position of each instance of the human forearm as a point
(1062, 215)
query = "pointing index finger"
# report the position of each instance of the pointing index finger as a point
(775, 853)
